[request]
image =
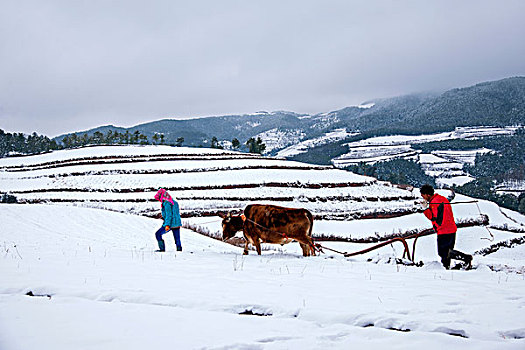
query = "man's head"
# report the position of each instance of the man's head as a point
(427, 191)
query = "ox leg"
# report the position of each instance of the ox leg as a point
(308, 247)
(311, 246)
(245, 248)
(305, 248)
(258, 247)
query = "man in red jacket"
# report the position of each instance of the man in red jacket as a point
(439, 212)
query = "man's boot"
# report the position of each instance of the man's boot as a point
(457, 255)
(162, 246)
(446, 263)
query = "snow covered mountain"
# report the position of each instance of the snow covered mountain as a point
(496, 103)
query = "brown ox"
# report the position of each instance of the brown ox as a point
(271, 224)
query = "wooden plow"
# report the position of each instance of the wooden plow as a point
(403, 240)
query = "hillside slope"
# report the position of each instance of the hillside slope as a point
(205, 181)
(209, 182)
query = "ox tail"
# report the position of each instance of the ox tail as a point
(310, 239)
(311, 219)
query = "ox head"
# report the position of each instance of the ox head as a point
(231, 225)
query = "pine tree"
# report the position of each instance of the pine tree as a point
(521, 205)
(143, 139)
(98, 137)
(255, 146)
(214, 142)
(135, 138)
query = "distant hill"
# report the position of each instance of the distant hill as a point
(199, 131)
(495, 103)
(498, 103)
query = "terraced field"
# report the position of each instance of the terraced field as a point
(205, 182)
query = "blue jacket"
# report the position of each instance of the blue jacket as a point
(171, 214)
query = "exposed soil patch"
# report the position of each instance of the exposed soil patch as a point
(30, 294)
(175, 171)
(233, 199)
(127, 159)
(511, 243)
(254, 313)
(452, 332)
(202, 188)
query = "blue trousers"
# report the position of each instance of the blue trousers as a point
(176, 235)
(445, 243)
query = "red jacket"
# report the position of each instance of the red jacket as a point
(440, 213)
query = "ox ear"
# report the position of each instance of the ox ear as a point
(221, 214)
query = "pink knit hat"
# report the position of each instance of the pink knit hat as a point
(163, 195)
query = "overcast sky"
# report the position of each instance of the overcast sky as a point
(72, 65)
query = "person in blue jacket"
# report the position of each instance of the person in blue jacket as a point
(172, 221)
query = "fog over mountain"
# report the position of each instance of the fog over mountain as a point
(70, 66)
(496, 103)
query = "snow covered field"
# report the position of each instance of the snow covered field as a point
(78, 277)
(511, 187)
(97, 284)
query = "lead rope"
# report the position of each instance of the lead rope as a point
(208, 222)
(491, 239)
(483, 216)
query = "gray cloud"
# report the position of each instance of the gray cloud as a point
(71, 65)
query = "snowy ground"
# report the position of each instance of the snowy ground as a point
(99, 285)
(77, 277)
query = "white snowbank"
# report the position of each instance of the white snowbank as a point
(98, 284)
